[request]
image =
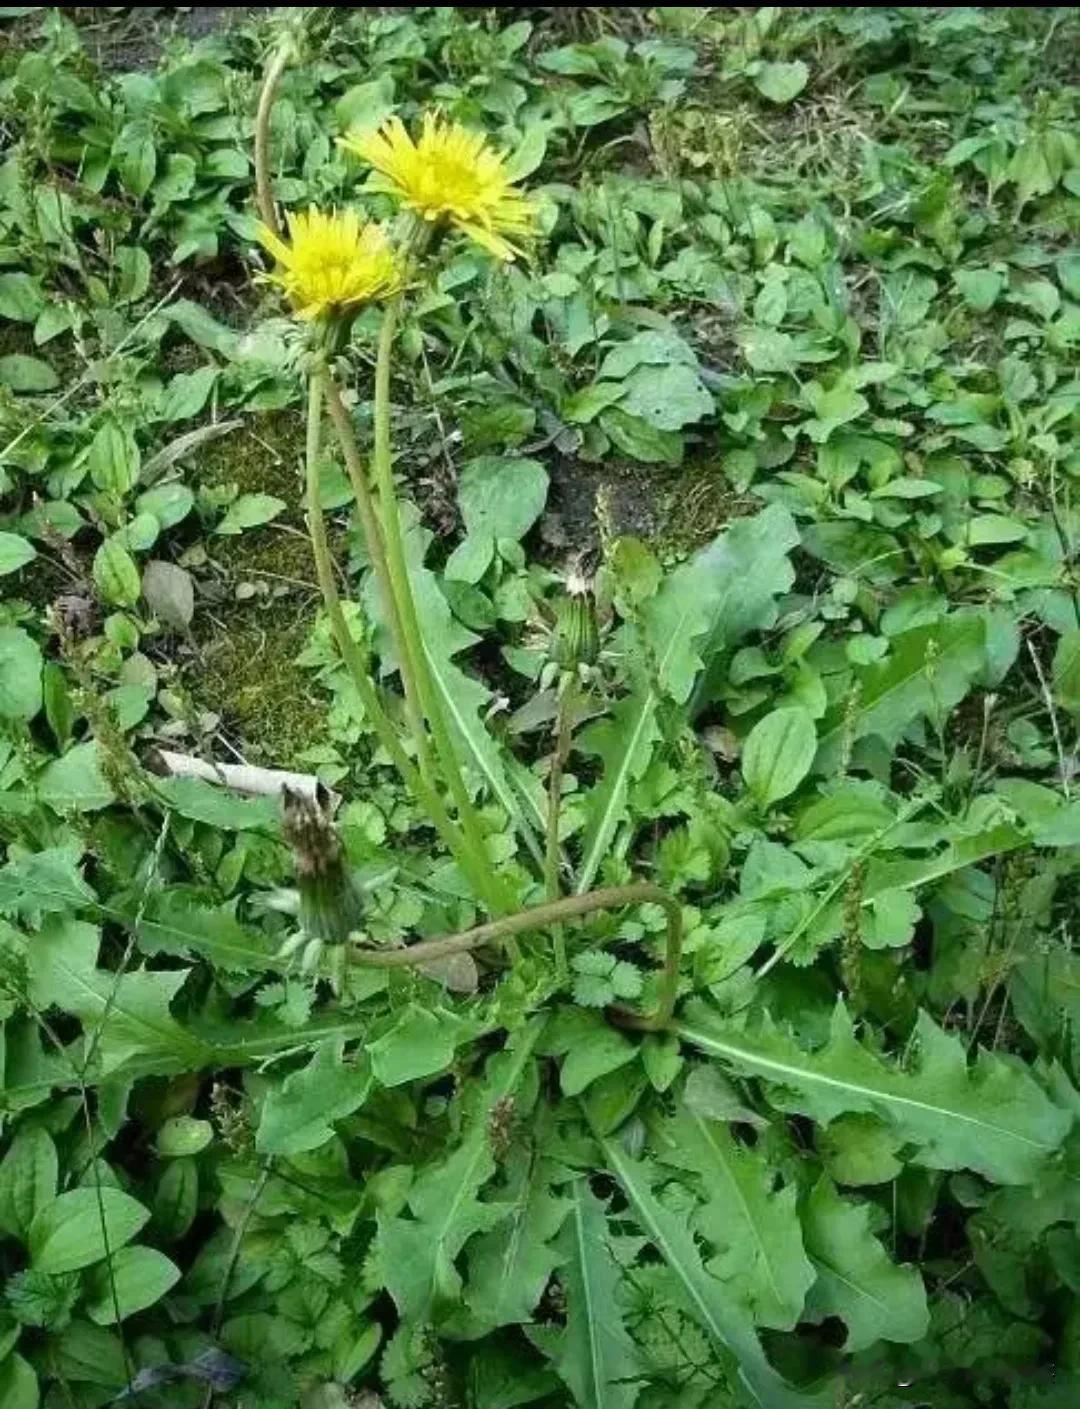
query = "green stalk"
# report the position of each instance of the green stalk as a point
(382, 466)
(563, 726)
(357, 666)
(264, 196)
(373, 539)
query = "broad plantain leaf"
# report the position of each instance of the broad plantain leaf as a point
(18, 1383)
(20, 674)
(28, 1176)
(137, 1278)
(76, 1229)
(778, 753)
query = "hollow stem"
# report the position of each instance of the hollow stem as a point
(382, 467)
(373, 539)
(556, 912)
(563, 726)
(264, 196)
(357, 666)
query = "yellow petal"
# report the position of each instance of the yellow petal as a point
(450, 174)
(487, 239)
(332, 261)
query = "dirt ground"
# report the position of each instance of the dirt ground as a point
(134, 38)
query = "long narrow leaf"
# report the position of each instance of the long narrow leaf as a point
(462, 699)
(709, 1301)
(993, 1118)
(594, 1354)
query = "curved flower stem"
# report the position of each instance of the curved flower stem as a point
(357, 666)
(264, 196)
(373, 540)
(382, 467)
(554, 912)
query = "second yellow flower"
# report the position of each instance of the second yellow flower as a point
(450, 174)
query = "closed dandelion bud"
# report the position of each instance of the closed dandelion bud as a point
(331, 907)
(575, 640)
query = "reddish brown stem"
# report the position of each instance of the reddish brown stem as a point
(555, 912)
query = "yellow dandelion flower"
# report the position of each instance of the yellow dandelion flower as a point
(331, 261)
(450, 174)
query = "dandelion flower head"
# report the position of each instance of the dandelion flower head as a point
(451, 174)
(331, 261)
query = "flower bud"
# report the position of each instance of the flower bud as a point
(575, 640)
(331, 907)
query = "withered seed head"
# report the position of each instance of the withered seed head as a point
(330, 904)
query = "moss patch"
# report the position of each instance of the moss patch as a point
(622, 495)
(264, 456)
(699, 507)
(268, 600)
(249, 676)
